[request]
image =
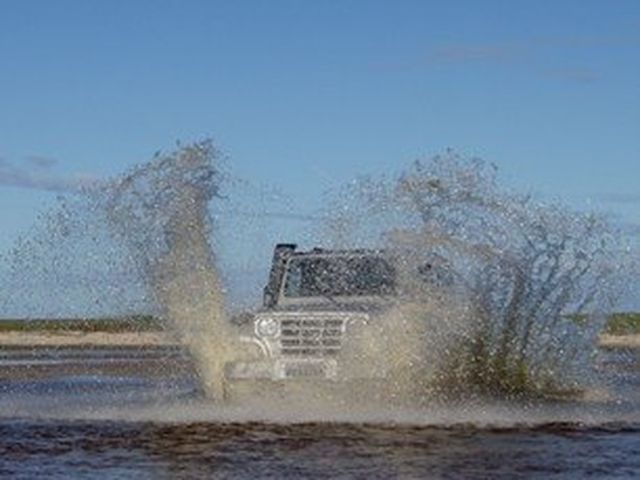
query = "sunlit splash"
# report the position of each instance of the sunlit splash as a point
(160, 211)
(500, 297)
(510, 292)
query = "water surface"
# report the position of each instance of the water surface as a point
(124, 413)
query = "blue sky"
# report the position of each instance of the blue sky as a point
(303, 95)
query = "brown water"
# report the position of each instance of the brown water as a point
(315, 450)
(123, 413)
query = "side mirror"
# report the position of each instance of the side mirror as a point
(267, 299)
(243, 318)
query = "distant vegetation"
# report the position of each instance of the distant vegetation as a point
(623, 324)
(618, 324)
(134, 323)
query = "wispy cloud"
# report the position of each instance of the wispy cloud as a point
(534, 54)
(39, 161)
(578, 75)
(35, 173)
(466, 53)
(631, 228)
(617, 197)
(458, 54)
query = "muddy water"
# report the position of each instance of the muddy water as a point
(315, 450)
(125, 413)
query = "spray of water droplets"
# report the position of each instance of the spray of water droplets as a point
(499, 294)
(510, 293)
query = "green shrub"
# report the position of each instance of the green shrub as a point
(133, 323)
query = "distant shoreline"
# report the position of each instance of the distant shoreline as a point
(618, 324)
(124, 324)
(622, 331)
(68, 338)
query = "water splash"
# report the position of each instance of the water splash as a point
(499, 294)
(160, 211)
(69, 265)
(139, 243)
(511, 292)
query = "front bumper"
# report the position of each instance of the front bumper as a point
(283, 369)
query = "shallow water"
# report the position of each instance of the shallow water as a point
(314, 450)
(124, 413)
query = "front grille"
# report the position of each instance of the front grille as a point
(315, 336)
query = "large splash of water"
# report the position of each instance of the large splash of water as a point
(138, 243)
(500, 294)
(160, 212)
(509, 293)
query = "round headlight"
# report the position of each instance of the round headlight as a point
(267, 327)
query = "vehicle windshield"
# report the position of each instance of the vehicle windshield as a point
(339, 276)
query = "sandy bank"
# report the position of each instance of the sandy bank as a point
(629, 341)
(89, 339)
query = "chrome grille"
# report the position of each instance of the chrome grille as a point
(311, 336)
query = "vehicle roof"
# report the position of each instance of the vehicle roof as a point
(321, 252)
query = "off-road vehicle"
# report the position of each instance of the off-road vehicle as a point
(313, 302)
